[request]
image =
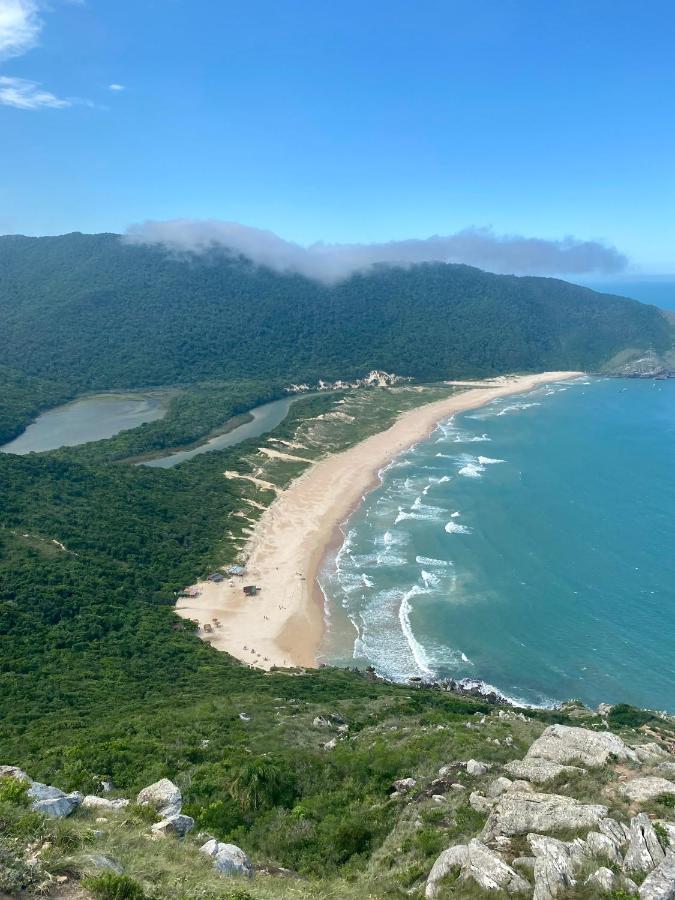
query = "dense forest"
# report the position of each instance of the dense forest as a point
(92, 312)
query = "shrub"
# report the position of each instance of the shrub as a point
(625, 716)
(109, 886)
(13, 791)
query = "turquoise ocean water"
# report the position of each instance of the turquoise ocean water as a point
(529, 544)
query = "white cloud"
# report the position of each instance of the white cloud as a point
(20, 26)
(116, 87)
(480, 247)
(24, 94)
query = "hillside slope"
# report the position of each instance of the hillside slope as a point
(95, 312)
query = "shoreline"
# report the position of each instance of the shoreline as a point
(284, 624)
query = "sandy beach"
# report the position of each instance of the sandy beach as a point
(283, 625)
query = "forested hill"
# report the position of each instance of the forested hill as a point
(94, 312)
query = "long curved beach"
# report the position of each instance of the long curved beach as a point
(283, 625)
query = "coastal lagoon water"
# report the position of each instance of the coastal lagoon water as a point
(529, 544)
(88, 419)
(263, 419)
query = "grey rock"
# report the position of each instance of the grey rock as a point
(321, 722)
(490, 871)
(644, 850)
(660, 884)
(667, 769)
(651, 753)
(519, 786)
(601, 845)
(518, 813)
(39, 791)
(228, 859)
(479, 803)
(476, 768)
(102, 861)
(499, 786)
(603, 709)
(617, 832)
(449, 860)
(175, 825)
(556, 863)
(91, 801)
(669, 828)
(331, 744)
(565, 744)
(629, 886)
(639, 790)
(163, 796)
(58, 807)
(537, 770)
(602, 878)
(403, 785)
(13, 772)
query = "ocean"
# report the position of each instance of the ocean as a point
(529, 545)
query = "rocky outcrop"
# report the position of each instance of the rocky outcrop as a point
(602, 878)
(490, 871)
(91, 801)
(603, 847)
(565, 744)
(403, 786)
(640, 790)
(660, 884)
(174, 825)
(479, 863)
(13, 772)
(499, 786)
(228, 859)
(617, 832)
(473, 767)
(521, 812)
(479, 803)
(537, 770)
(556, 863)
(644, 849)
(450, 860)
(50, 801)
(163, 796)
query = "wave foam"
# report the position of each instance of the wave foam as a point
(456, 528)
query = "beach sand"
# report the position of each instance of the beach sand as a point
(283, 625)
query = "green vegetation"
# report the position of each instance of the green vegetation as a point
(624, 716)
(92, 312)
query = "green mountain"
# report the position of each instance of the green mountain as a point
(95, 312)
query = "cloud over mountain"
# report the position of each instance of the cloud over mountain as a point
(480, 247)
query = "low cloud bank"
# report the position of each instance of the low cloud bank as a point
(330, 263)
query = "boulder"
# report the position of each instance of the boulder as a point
(617, 832)
(651, 753)
(476, 768)
(449, 860)
(479, 803)
(602, 878)
(404, 785)
(603, 709)
(555, 864)
(176, 825)
(518, 813)
(91, 801)
(601, 845)
(490, 871)
(228, 859)
(640, 790)
(163, 796)
(566, 744)
(499, 786)
(39, 791)
(58, 807)
(321, 722)
(644, 849)
(660, 884)
(537, 770)
(13, 772)
(102, 861)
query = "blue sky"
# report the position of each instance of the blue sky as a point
(347, 121)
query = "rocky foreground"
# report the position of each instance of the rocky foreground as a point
(581, 810)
